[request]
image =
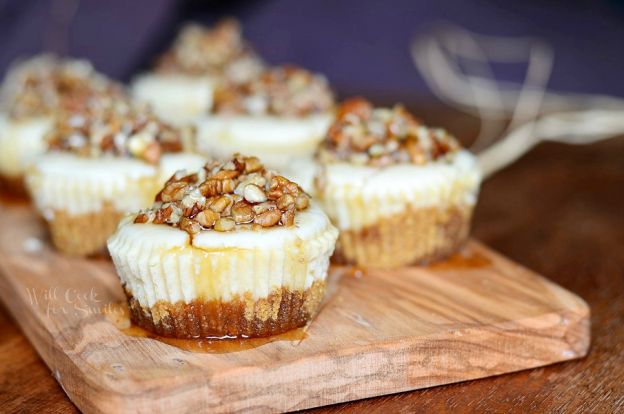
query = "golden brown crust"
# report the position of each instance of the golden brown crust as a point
(83, 234)
(416, 236)
(280, 312)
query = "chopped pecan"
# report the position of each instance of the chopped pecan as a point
(207, 218)
(163, 214)
(302, 202)
(254, 194)
(285, 201)
(224, 224)
(242, 212)
(378, 137)
(172, 192)
(237, 194)
(288, 217)
(141, 218)
(220, 204)
(189, 226)
(268, 218)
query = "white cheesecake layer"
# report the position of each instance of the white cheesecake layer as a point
(277, 141)
(175, 98)
(20, 143)
(161, 263)
(358, 196)
(76, 185)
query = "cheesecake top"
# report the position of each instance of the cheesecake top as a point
(239, 194)
(114, 127)
(45, 84)
(379, 137)
(282, 90)
(217, 51)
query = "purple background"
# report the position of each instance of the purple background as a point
(362, 46)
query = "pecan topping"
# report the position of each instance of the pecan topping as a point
(116, 127)
(282, 90)
(217, 51)
(45, 84)
(239, 193)
(379, 137)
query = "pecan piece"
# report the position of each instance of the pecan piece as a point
(288, 217)
(223, 174)
(262, 207)
(163, 214)
(207, 218)
(415, 151)
(173, 192)
(224, 224)
(268, 218)
(358, 106)
(141, 218)
(285, 201)
(242, 212)
(220, 204)
(254, 194)
(277, 182)
(213, 187)
(190, 226)
(302, 202)
(252, 164)
(275, 194)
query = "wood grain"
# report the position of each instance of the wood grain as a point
(385, 332)
(558, 211)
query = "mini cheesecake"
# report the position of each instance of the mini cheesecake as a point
(281, 116)
(231, 251)
(181, 86)
(103, 161)
(33, 92)
(399, 192)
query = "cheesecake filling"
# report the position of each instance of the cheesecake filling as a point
(177, 98)
(76, 185)
(278, 141)
(161, 263)
(358, 196)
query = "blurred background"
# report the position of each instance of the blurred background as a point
(361, 46)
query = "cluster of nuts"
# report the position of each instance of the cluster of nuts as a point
(117, 127)
(43, 85)
(282, 90)
(218, 51)
(237, 194)
(365, 135)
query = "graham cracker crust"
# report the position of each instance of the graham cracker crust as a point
(282, 311)
(83, 234)
(416, 236)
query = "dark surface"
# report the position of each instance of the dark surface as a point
(558, 211)
(358, 44)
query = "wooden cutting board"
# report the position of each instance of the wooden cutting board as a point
(477, 315)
